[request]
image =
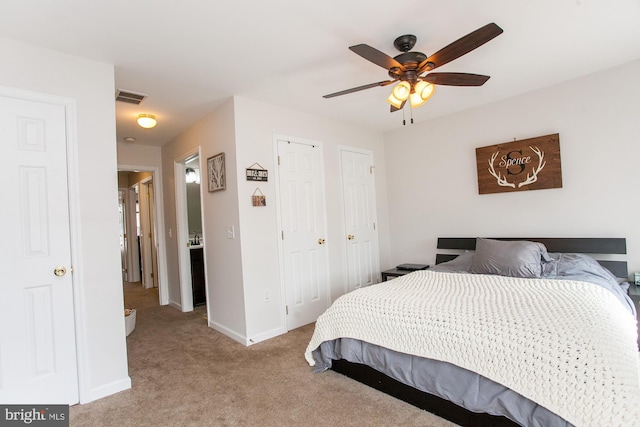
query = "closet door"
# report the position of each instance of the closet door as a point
(303, 219)
(361, 235)
(37, 332)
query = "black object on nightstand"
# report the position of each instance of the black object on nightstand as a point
(401, 270)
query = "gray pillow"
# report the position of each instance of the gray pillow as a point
(509, 258)
(460, 264)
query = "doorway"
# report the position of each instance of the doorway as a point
(142, 219)
(190, 233)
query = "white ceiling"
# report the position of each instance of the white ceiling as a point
(190, 56)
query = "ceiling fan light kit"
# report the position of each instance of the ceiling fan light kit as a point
(421, 93)
(402, 91)
(397, 103)
(409, 68)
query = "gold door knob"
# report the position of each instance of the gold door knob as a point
(60, 271)
(321, 241)
(350, 236)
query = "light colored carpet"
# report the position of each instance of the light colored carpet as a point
(184, 373)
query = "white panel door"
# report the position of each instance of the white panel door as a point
(303, 212)
(37, 335)
(361, 236)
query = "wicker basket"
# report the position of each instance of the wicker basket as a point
(129, 320)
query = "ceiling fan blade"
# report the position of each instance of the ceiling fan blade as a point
(393, 108)
(377, 57)
(356, 89)
(455, 79)
(460, 47)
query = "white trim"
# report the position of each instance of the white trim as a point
(182, 228)
(242, 339)
(163, 285)
(263, 336)
(107, 390)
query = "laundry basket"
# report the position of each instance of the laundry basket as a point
(129, 320)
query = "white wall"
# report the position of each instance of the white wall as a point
(432, 178)
(139, 155)
(103, 357)
(256, 124)
(240, 270)
(214, 134)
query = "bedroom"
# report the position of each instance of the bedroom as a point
(436, 195)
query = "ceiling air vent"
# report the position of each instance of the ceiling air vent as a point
(130, 97)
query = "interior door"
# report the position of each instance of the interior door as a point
(146, 237)
(152, 230)
(37, 333)
(361, 236)
(303, 213)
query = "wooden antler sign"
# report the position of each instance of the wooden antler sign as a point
(529, 164)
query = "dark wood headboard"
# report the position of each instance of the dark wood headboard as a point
(600, 246)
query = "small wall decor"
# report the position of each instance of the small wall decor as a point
(258, 199)
(257, 174)
(215, 172)
(528, 164)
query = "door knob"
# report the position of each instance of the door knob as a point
(350, 236)
(60, 271)
(321, 241)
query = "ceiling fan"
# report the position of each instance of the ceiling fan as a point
(408, 68)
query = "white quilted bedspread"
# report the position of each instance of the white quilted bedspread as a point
(569, 346)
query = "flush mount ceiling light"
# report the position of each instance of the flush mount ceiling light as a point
(147, 121)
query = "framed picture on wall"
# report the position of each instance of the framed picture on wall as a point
(215, 172)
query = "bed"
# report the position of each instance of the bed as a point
(501, 332)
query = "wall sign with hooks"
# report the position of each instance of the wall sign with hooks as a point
(258, 199)
(257, 174)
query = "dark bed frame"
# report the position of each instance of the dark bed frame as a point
(442, 407)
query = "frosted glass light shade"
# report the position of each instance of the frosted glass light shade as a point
(402, 91)
(394, 101)
(147, 121)
(422, 92)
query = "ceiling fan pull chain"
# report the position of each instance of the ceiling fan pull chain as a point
(404, 122)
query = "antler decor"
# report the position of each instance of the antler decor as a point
(519, 165)
(502, 181)
(534, 174)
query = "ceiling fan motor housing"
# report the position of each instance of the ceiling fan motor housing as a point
(410, 61)
(405, 43)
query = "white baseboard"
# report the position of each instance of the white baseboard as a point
(106, 390)
(244, 340)
(228, 332)
(266, 335)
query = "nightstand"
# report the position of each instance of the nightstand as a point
(634, 293)
(396, 272)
